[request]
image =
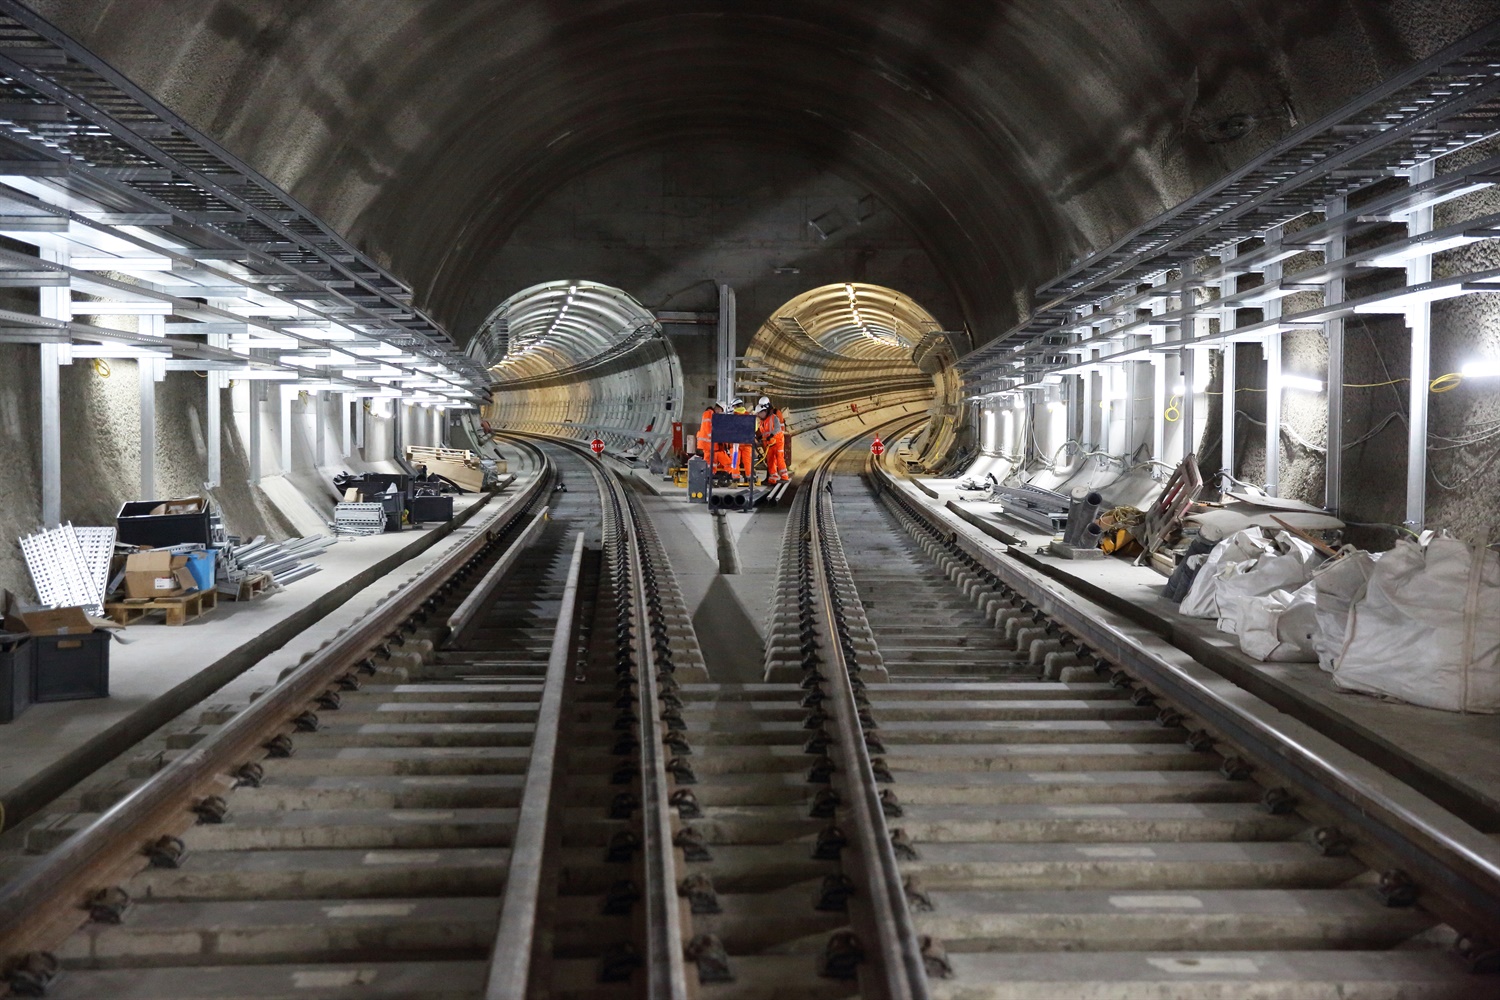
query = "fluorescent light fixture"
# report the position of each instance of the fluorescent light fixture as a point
(122, 308)
(124, 265)
(1399, 258)
(1301, 382)
(268, 374)
(1480, 369)
(1020, 402)
(1400, 303)
(115, 351)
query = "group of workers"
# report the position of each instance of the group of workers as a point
(737, 460)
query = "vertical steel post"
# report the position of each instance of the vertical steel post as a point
(724, 368)
(1271, 311)
(213, 432)
(286, 394)
(1188, 360)
(1333, 330)
(346, 417)
(146, 369)
(55, 303)
(1229, 388)
(1419, 320)
(254, 392)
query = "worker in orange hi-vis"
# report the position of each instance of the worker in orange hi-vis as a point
(771, 428)
(718, 458)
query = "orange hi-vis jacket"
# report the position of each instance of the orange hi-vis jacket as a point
(705, 432)
(772, 428)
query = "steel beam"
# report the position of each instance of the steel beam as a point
(1419, 321)
(1188, 361)
(254, 391)
(54, 303)
(146, 372)
(1272, 311)
(726, 344)
(214, 383)
(1228, 385)
(1333, 293)
(288, 393)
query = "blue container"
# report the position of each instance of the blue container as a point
(201, 565)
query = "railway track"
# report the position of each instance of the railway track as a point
(955, 781)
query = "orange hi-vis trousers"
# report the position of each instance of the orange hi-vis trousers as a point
(776, 470)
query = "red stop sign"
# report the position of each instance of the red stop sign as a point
(597, 445)
(876, 448)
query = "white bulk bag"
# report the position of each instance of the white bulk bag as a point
(1202, 597)
(1428, 628)
(1281, 627)
(1287, 566)
(1339, 583)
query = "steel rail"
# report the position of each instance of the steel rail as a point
(510, 960)
(464, 615)
(49, 900)
(1438, 850)
(878, 910)
(666, 967)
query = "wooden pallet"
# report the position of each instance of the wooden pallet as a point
(253, 586)
(178, 610)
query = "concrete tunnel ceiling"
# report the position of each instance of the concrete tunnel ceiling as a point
(1011, 137)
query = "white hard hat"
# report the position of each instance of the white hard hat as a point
(762, 403)
(736, 401)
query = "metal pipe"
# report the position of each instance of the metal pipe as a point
(1081, 513)
(510, 961)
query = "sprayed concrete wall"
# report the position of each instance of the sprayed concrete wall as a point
(101, 467)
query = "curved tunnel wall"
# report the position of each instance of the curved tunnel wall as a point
(846, 357)
(581, 360)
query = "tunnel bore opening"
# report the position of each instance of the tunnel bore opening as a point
(844, 358)
(579, 359)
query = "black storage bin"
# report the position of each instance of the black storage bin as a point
(70, 667)
(16, 653)
(136, 525)
(438, 508)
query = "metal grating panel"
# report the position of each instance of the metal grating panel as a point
(62, 572)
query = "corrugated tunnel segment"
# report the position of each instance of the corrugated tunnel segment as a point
(582, 360)
(856, 352)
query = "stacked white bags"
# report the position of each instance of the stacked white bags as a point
(1420, 623)
(1427, 629)
(1259, 589)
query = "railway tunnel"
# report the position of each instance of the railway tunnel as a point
(1124, 627)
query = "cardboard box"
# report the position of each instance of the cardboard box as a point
(156, 573)
(54, 621)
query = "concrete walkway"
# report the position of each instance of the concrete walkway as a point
(160, 671)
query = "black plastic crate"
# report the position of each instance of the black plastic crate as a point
(136, 525)
(70, 667)
(438, 508)
(16, 653)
